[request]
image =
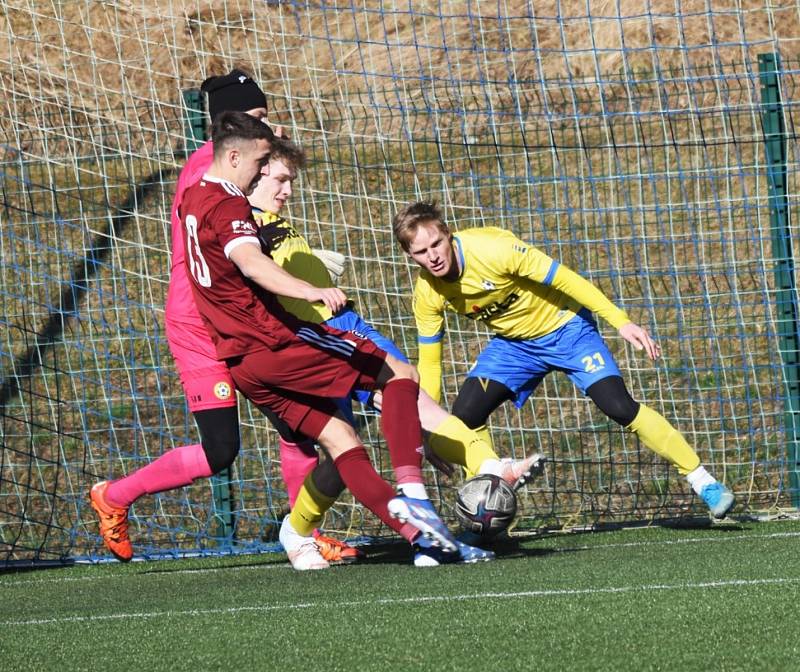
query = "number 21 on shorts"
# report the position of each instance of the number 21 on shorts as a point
(593, 363)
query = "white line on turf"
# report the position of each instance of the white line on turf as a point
(421, 599)
(690, 540)
(148, 573)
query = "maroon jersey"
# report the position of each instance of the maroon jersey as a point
(240, 316)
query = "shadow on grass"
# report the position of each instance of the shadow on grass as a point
(400, 553)
(381, 552)
(265, 560)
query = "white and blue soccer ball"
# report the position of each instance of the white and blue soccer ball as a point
(486, 505)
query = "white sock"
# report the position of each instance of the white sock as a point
(491, 466)
(413, 490)
(699, 479)
(290, 539)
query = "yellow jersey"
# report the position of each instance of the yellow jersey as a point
(515, 289)
(291, 251)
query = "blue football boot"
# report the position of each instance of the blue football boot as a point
(421, 514)
(718, 499)
(426, 555)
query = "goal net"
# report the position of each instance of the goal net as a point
(627, 139)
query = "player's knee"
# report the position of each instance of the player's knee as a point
(612, 397)
(338, 436)
(468, 409)
(622, 411)
(469, 414)
(476, 401)
(221, 451)
(327, 479)
(219, 436)
(402, 370)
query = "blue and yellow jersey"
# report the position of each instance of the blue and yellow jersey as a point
(515, 289)
(291, 251)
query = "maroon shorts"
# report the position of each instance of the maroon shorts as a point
(302, 380)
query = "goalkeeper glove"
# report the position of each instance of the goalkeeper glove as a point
(334, 262)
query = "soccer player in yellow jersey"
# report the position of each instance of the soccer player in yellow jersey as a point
(541, 314)
(311, 493)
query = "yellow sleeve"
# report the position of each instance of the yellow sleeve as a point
(585, 293)
(291, 251)
(429, 317)
(528, 261)
(430, 369)
(523, 260)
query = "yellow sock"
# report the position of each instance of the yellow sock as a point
(453, 441)
(309, 508)
(483, 432)
(661, 437)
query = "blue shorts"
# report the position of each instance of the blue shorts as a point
(576, 348)
(350, 320)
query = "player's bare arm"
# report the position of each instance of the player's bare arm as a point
(262, 270)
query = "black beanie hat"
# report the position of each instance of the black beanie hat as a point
(235, 91)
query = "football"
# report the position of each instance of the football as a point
(486, 505)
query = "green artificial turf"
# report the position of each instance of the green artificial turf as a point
(724, 598)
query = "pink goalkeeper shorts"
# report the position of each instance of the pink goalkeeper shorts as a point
(206, 381)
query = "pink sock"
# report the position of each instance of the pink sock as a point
(297, 460)
(401, 427)
(174, 469)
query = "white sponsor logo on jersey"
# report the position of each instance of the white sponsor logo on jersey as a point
(243, 226)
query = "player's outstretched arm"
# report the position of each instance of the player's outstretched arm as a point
(430, 369)
(587, 294)
(262, 270)
(640, 339)
(583, 291)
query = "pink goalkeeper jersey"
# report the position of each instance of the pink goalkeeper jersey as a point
(181, 306)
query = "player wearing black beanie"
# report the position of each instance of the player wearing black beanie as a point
(235, 91)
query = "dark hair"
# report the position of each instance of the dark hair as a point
(232, 126)
(406, 222)
(291, 154)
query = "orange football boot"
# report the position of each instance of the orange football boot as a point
(113, 523)
(334, 550)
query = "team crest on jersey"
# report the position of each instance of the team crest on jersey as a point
(222, 391)
(487, 285)
(243, 226)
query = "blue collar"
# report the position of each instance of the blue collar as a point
(463, 264)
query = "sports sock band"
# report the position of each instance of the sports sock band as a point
(174, 469)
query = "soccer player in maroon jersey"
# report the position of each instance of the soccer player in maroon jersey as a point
(296, 368)
(206, 381)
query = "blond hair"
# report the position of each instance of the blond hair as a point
(406, 222)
